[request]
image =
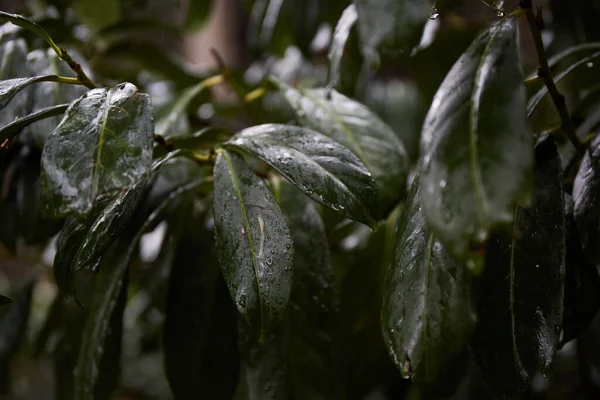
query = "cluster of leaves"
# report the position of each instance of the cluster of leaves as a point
(485, 262)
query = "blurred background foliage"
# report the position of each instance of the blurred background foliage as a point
(163, 47)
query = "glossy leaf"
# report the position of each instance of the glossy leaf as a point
(102, 145)
(391, 27)
(338, 43)
(356, 127)
(319, 166)
(476, 146)
(205, 358)
(582, 283)
(586, 191)
(253, 242)
(10, 130)
(427, 314)
(197, 13)
(31, 26)
(521, 304)
(13, 74)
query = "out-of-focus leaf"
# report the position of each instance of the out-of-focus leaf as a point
(521, 307)
(13, 59)
(497, 5)
(338, 44)
(582, 283)
(97, 14)
(202, 139)
(97, 370)
(427, 314)
(83, 241)
(319, 166)
(10, 130)
(253, 242)
(200, 331)
(102, 145)
(197, 13)
(5, 300)
(586, 192)
(391, 27)
(356, 127)
(476, 146)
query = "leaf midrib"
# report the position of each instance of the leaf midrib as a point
(425, 306)
(96, 169)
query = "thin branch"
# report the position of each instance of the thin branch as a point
(536, 24)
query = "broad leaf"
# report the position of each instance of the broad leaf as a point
(13, 73)
(391, 27)
(582, 283)
(521, 306)
(253, 242)
(427, 315)
(319, 166)
(338, 44)
(586, 192)
(102, 145)
(359, 129)
(476, 146)
(200, 330)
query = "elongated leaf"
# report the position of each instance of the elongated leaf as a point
(338, 43)
(319, 166)
(5, 300)
(427, 314)
(97, 369)
(13, 61)
(253, 242)
(205, 358)
(103, 144)
(391, 27)
(82, 242)
(586, 189)
(582, 283)
(359, 129)
(31, 26)
(521, 307)
(476, 146)
(8, 131)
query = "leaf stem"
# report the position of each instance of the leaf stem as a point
(536, 24)
(76, 67)
(199, 158)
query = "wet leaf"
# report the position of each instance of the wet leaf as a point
(338, 44)
(102, 145)
(10, 130)
(356, 127)
(205, 358)
(253, 242)
(476, 146)
(497, 5)
(391, 27)
(582, 283)
(521, 304)
(31, 26)
(586, 192)
(427, 313)
(83, 241)
(319, 166)
(13, 78)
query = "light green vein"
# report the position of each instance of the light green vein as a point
(425, 306)
(96, 171)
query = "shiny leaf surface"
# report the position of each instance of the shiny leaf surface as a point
(521, 304)
(13, 78)
(10, 130)
(102, 145)
(427, 315)
(319, 166)
(338, 43)
(360, 130)
(476, 146)
(253, 242)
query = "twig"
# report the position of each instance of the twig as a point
(536, 24)
(76, 67)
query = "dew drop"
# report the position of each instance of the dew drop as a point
(500, 13)
(434, 13)
(590, 64)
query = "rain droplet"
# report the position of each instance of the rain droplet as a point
(590, 64)
(443, 184)
(537, 265)
(434, 13)
(500, 13)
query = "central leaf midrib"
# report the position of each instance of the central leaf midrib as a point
(234, 180)
(96, 166)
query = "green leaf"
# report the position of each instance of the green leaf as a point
(356, 127)
(197, 13)
(319, 166)
(476, 145)
(205, 359)
(253, 242)
(98, 363)
(5, 300)
(338, 44)
(82, 242)
(582, 283)
(521, 305)
(13, 62)
(97, 15)
(391, 27)
(427, 315)
(9, 131)
(102, 145)
(31, 26)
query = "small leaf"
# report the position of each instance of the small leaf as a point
(427, 315)
(253, 242)
(476, 145)
(356, 127)
(5, 300)
(102, 145)
(391, 27)
(338, 43)
(521, 304)
(319, 166)
(13, 58)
